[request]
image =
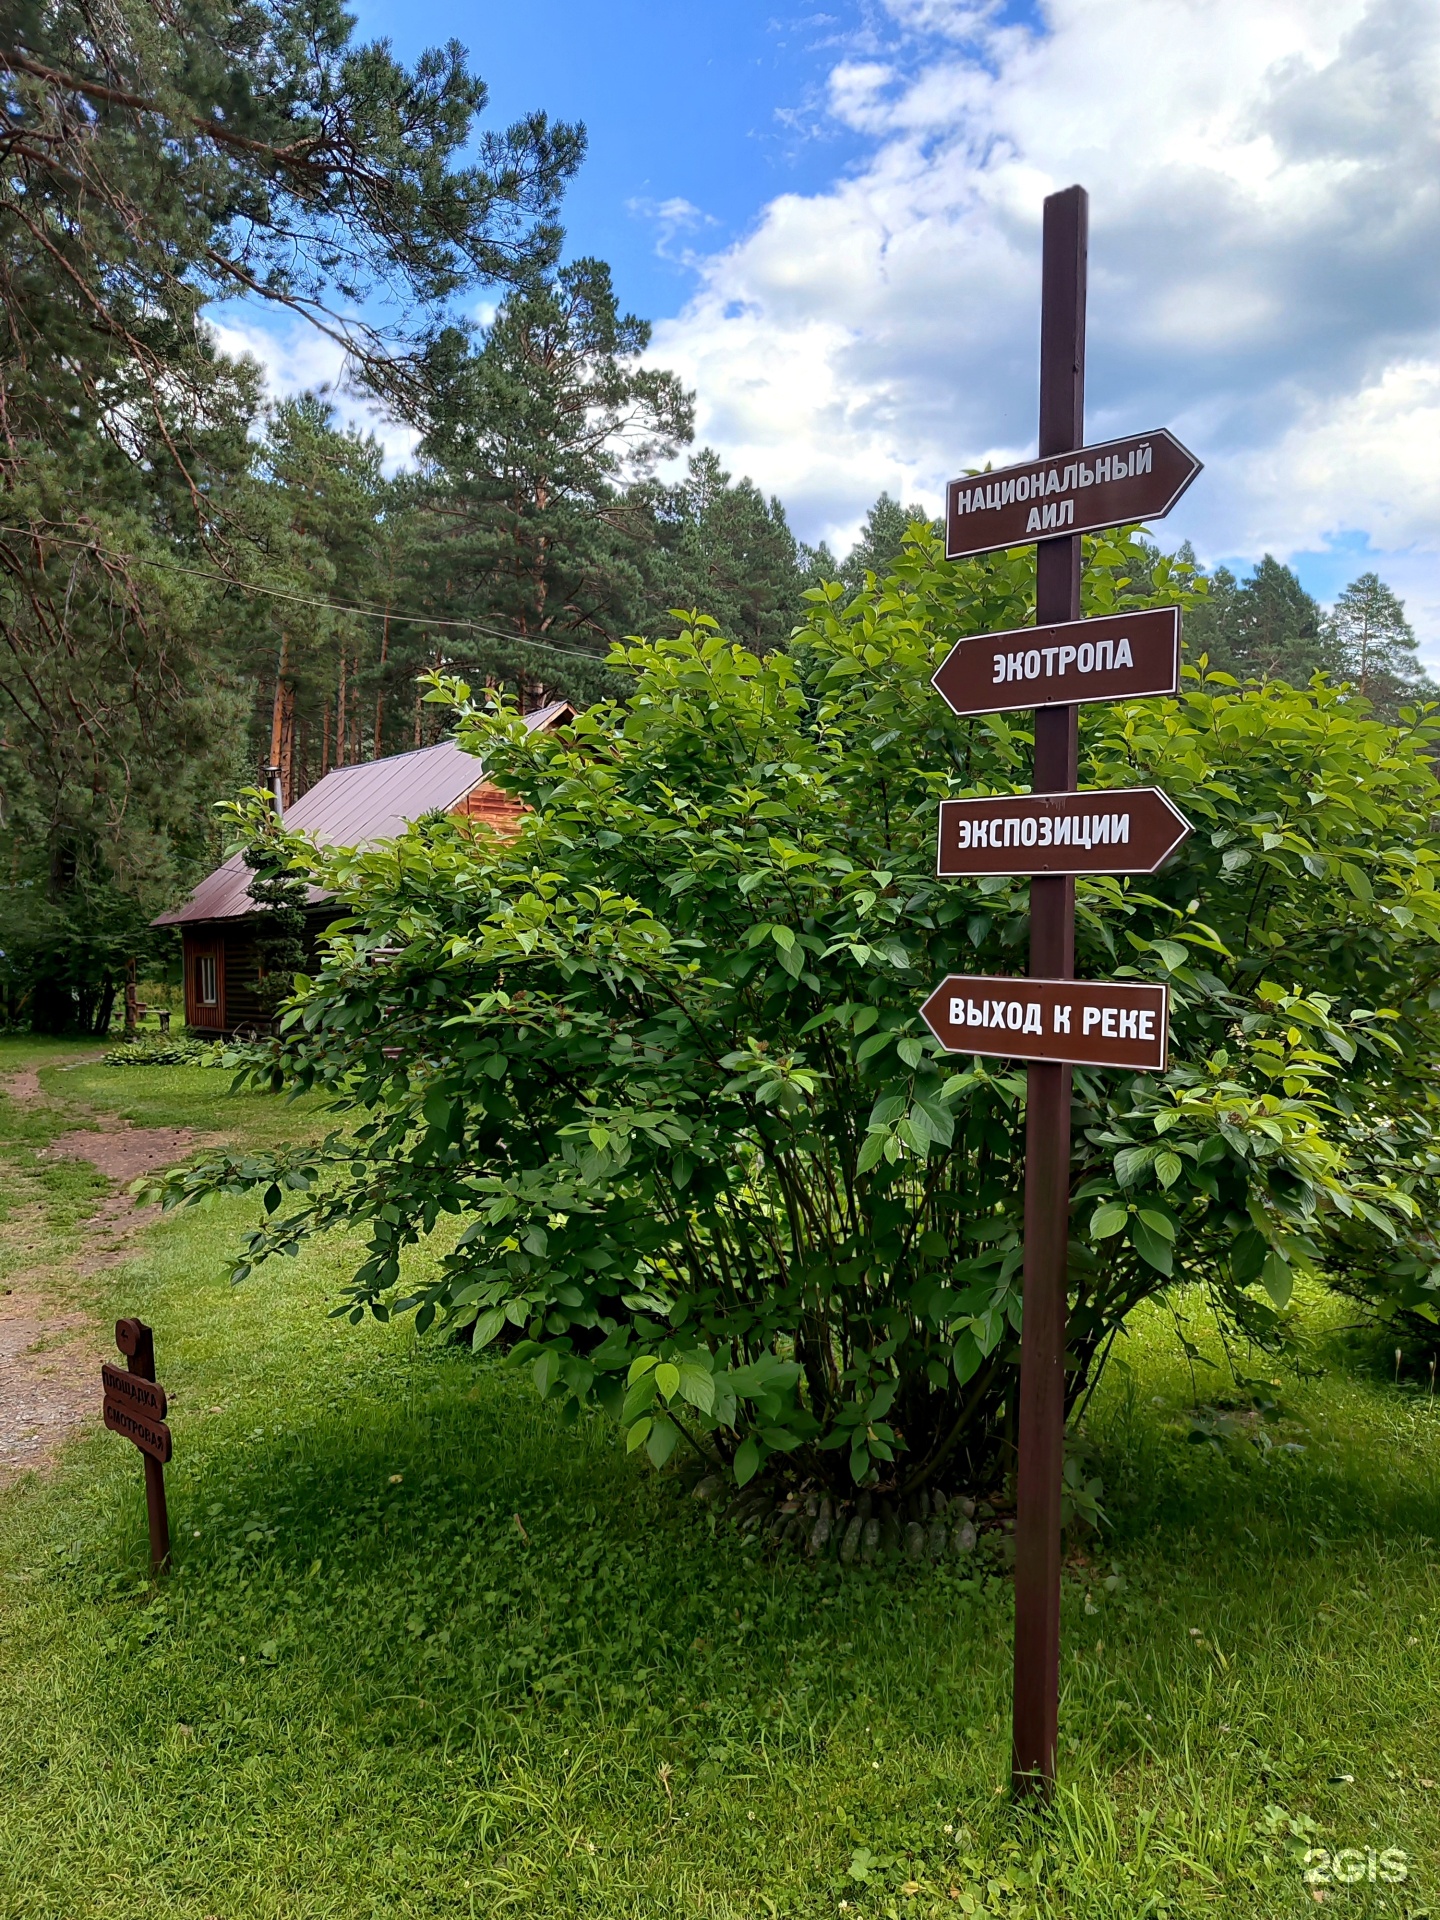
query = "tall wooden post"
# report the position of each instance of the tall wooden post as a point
(1047, 1125)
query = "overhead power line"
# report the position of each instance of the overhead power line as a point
(307, 599)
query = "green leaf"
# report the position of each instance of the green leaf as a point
(910, 1051)
(871, 1148)
(1151, 1247)
(667, 1379)
(1107, 1219)
(1168, 1168)
(1158, 1222)
(486, 1327)
(747, 1462)
(638, 1434)
(1172, 953)
(1279, 1281)
(661, 1442)
(697, 1385)
(1132, 1162)
(639, 1396)
(967, 1358)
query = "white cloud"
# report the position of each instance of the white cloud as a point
(1264, 267)
(670, 218)
(297, 358)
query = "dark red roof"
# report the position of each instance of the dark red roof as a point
(357, 807)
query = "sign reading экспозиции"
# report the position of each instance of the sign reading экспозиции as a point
(1120, 830)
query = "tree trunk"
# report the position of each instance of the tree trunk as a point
(278, 703)
(377, 751)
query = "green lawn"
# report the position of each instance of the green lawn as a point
(425, 1651)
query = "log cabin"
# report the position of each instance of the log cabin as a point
(358, 806)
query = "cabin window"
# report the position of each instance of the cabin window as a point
(207, 990)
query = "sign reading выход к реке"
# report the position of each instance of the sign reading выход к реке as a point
(1087, 1023)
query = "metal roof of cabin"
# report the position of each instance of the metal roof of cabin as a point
(356, 807)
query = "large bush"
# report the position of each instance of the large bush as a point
(661, 1053)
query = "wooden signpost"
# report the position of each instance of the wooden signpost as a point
(135, 1406)
(1051, 1020)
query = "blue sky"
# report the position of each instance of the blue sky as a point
(719, 107)
(832, 216)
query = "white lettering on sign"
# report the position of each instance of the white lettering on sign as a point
(990, 496)
(1069, 830)
(1017, 1016)
(1134, 1023)
(1103, 656)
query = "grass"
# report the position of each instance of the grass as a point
(426, 1651)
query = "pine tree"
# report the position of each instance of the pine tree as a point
(158, 158)
(726, 550)
(1264, 628)
(1376, 646)
(528, 512)
(881, 538)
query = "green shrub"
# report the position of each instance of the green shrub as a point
(161, 1050)
(661, 1050)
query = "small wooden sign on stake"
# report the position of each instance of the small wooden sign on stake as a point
(135, 1406)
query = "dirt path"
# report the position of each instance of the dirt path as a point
(49, 1355)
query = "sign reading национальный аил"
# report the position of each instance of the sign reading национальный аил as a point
(1137, 478)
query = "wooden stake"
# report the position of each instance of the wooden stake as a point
(137, 1343)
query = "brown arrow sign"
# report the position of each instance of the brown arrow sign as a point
(1121, 656)
(1138, 478)
(1130, 830)
(132, 1390)
(151, 1436)
(1083, 1023)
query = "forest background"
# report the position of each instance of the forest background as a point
(197, 582)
